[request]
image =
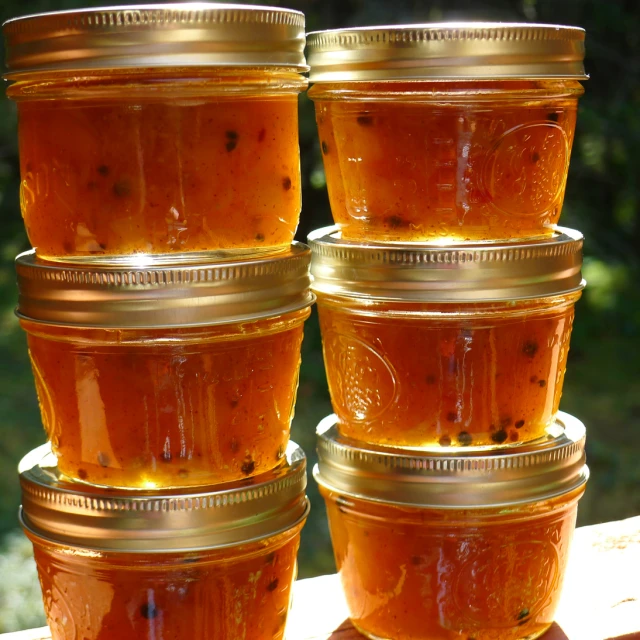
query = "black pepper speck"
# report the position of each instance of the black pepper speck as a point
(499, 436)
(149, 611)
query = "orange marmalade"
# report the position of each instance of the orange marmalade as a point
(454, 545)
(417, 374)
(167, 407)
(435, 161)
(494, 574)
(154, 161)
(185, 564)
(229, 594)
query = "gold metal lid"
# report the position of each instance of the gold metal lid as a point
(164, 296)
(157, 35)
(66, 512)
(468, 272)
(550, 467)
(447, 51)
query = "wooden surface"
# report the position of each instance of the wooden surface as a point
(600, 599)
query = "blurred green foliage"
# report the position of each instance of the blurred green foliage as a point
(602, 386)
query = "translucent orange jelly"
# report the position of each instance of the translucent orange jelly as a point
(167, 407)
(228, 594)
(416, 374)
(180, 160)
(424, 160)
(442, 574)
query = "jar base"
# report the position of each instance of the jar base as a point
(531, 636)
(139, 259)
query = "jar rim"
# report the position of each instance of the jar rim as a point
(447, 51)
(164, 295)
(451, 478)
(77, 514)
(192, 34)
(463, 272)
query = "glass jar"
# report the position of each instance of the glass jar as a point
(166, 377)
(429, 347)
(465, 546)
(217, 564)
(446, 132)
(158, 130)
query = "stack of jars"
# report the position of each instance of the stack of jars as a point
(446, 297)
(164, 306)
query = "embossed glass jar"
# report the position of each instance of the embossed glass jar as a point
(166, 376)
(446, 132)
(433, 347)
(160, 129)
(447, 546)
(219, 563)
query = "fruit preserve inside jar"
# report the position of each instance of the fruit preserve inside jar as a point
(158, 161)
(418, 374)
(218, 562)
(167, 407)
(242, 592)
(446, 161)
(445, 574)
(466, 544)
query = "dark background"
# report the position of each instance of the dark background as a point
(602, 386)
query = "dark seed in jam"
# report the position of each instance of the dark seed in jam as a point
(273, 585)
(325, 147)
(149, 611)
(519, 424)
(430, 379)
(232, 140)
(261, 134)
(530, 348)
(122, 188)
(248, 466)
(286, 183)
(395, 222)
(542, 383)
(67, 246)
(416, 560)
(535, 156)
(103, 170)
(365, 121)
(553, 116)
(452, 416)
(445, 441)
(465, 438)
(260, 237)
(82, 474)
(523, 614)
(499, 436)
(533, 379)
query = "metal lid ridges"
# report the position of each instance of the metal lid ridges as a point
(455, 50)
(454, 478)
(423, 272)
(120, 37)
(79, 514)
(231, 290)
